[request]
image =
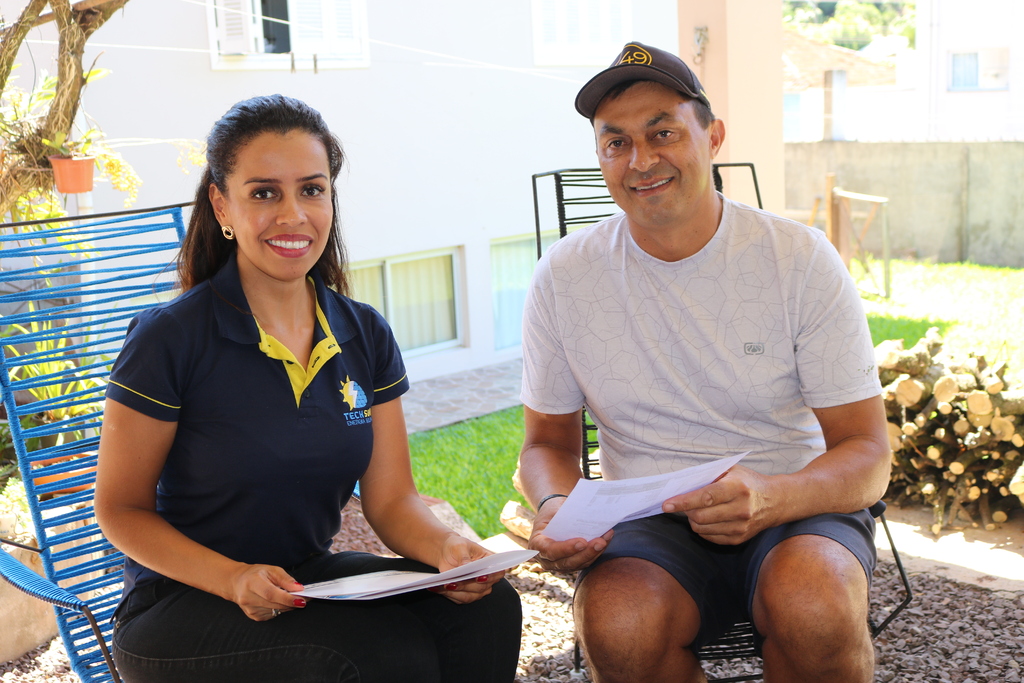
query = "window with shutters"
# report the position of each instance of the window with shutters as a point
(580, 32)
(288, 34)
(986, 69)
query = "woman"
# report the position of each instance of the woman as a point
(239, 418)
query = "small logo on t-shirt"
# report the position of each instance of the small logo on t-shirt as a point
(355, 397)
(753, 349)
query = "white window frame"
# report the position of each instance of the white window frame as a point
(595, 16)
(244, 50)
(993, 69)
(458, 296)
(548, 237)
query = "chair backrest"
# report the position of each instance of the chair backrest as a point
(68, 289)
(582, 198)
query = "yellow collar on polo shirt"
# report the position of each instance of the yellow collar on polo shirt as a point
(300, 377)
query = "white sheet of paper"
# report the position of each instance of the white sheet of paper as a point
(385, 583)
(595, 506)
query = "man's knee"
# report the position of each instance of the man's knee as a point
(811, 602)
(631, 614)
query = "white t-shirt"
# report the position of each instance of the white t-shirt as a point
(719, 353)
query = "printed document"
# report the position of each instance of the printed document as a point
(595, 506)
(385, 583)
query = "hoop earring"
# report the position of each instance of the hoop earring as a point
(229, 232)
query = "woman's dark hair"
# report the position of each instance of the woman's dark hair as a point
(205, 249)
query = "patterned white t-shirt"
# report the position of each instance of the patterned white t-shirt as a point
(719, 353)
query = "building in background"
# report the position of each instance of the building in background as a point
(445, 110)
(961, 82)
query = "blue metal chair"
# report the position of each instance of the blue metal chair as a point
(581, 198)
(68, 289)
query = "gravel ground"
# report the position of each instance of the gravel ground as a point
(951, 632)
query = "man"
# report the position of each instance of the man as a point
(694, 328)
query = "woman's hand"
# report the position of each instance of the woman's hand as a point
(456, 552)
(262, 591)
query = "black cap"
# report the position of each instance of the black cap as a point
(638, 62)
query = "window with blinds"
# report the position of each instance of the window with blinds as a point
(580, 32)
(289, 34)
(416, 294)
(512, 263)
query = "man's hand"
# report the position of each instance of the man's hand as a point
(563, 556)
(730, 510)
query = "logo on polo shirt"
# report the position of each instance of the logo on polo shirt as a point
(355, 397)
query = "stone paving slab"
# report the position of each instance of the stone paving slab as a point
(446, 400)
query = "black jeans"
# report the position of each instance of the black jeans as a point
(168, 631)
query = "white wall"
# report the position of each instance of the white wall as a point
(440, 146)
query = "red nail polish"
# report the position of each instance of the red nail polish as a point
(299, 602)
(451, 586)
(481, 579)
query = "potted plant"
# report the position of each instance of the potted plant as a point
(72, 165)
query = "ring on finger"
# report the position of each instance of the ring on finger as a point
(275, 613)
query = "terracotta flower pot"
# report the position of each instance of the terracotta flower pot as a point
(72, 174)
(50, 478)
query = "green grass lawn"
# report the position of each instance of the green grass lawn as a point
(976, 308)
(470, 465)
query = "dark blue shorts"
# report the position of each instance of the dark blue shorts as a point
(721, 578)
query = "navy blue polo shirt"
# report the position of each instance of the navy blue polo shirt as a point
(258, 471)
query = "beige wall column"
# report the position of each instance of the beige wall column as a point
(741, 71)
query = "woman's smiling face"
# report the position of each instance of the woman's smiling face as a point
(278, 200)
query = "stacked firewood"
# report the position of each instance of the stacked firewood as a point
(956, 432)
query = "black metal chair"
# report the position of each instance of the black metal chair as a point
(581, 198)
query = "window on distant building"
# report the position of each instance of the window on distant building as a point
(512, 263)
(580, 32)
(288, 34)
(416, 294)
(987, 69)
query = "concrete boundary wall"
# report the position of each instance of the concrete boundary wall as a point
(948, 201)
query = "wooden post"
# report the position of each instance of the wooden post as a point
(837, 220)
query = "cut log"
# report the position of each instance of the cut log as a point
(1002, 428)
(977, 439)
(913, 390)
(986, 514)
(944, 407)
(979, 420)
(992, 384)
(980, 403)
(890, 355)
(1017, 482)
(895, 436)
(962, 427)
(964, 460)
(934, 452)
(517, 519)
(1009, 402)
(949, 385)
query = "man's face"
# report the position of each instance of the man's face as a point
(656, 156)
